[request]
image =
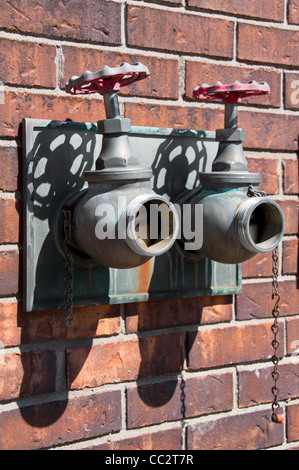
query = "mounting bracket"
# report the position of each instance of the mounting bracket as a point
(56, 154)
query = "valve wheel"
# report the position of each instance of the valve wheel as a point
(232, 93)
(107, 79)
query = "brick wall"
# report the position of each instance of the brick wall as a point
(118, 377)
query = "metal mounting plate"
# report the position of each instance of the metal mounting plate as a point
(56, 154)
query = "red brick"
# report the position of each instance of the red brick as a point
(290, 256)
(291, 177)
(27, 374)
(58, 422)
(290, 212)
(198, 73)
(293, 11)
(267, 45)
(256, 300)
(291, 91)
(293, 337)
(253, 9)
(258, 266)
(10, 220)
(255, 386)
(124, 360)
(33, 64)
(174, 116)
(177, 312)
(160, 402)
(167, 30)
(269, 131)
(292, 423)
(169, 439)
(20, 327)
(9, 272)
(230, 345)
(264, 130)
(9, 171)
(89, 21)
(268, 167)
(248, 431)
(162, 82)
(33, 105)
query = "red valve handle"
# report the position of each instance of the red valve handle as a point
(232, 93)
(107, 80)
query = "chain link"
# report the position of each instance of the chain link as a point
(276, 417)
(68, 280)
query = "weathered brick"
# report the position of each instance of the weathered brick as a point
(230, 345)
(169, 439)
(19, 327)
(292, 423)
(256, 300)
(9, 170)
(174, 116)
(269, 131)
(9, 272)
(255, 386)
(124, 360)
(293, 11)
(253, 9)
(88, 21)
(250, 431)
(266, 131)
(33, 105)
(291, 214)
(268, 167)
(56, 422)
(27, 374)
(162, 82)
(177, 312)
(267, 45)
(291, 177)
(160, 402)
(292, 326)
(33, 64)
(258, 266)
(198, 73)
(151, 28)
(10, 220)
(290, 256)
(291, 91)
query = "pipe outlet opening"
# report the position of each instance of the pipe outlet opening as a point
(260, 224)
(152, 225)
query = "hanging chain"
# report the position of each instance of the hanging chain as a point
(276, 417)
(68, 280)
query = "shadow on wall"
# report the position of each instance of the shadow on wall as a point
(65, 158)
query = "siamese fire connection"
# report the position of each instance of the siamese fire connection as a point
(236, 224)
(118, 189)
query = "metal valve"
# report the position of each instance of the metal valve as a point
(230, 155)
(108, 82)
(231, 95)
(119, 183)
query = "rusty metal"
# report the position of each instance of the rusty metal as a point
(56, 154)
(276, 417)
